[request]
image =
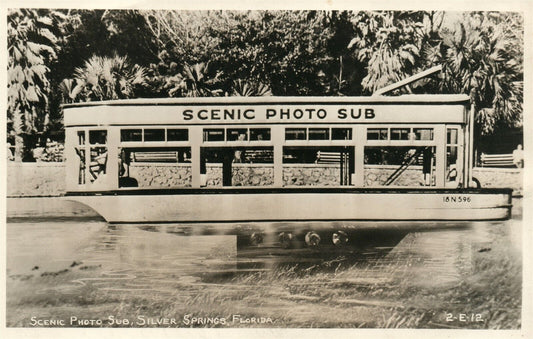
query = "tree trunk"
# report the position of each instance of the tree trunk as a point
(24, 142)
(19, 147)
(18, 127)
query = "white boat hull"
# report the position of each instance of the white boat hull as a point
(196, 206)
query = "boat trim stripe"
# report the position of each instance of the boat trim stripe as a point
(290, 190)
(254, 221)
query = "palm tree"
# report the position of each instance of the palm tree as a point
(195, 81)
(104, 78)
(69, 90)
(32, 44)
(482, 60)
(243, 88)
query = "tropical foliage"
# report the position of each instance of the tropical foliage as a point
(104, 78)
(480, 61)
(482, 56)
(184, 36)
(286, 50)
(242, 88)
(390, 43)
(81, 55)
(197, 81)
(32, 43)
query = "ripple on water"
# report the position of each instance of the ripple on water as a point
(129, 258)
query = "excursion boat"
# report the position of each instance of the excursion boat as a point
(277, 159)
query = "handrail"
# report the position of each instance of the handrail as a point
(407, 81)
(405, 164)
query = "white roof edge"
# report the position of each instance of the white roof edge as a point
(419, 98)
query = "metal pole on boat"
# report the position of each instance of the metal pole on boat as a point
(471, 142)
(408, 80)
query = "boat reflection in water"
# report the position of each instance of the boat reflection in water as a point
(160, 257)
(165, 258)
(184, 266)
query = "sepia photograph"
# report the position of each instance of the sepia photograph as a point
(254, 168)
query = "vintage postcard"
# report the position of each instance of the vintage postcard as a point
(252, 169)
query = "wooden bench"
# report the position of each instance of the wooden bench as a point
(328, 157)
(165, 156)
(258, 156)
(497, 160)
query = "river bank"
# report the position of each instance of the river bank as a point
(45, 179)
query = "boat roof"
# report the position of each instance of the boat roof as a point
(236, 100)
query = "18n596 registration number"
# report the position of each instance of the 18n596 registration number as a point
(456, 198)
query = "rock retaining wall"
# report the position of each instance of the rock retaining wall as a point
(311, 175)
(377, 176)
(48, 179)
(35, 179)
(161, 175)
(241, 175)
(500, 177)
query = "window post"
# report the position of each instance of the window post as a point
(359, 136)
(113, 142)
(278, 139)
(195, 138)
(440, 155)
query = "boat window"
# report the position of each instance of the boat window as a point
(154, 134)
(399, 166)
(97, 162)
(92, 158)
(81, 137)
(295, 134)
(389, 155)
(80, 152)
(399, 133)
(258, 134)
(300, 155)
(154, 167)
(214, 134)
(341, 134)
(377, 134)
(317, 165)
(319, 134)
(236, 166)
(451, 136)
(423, 133)
(97, 137)
(131, 135)
(236, 134)
(97, 153)
(453, 177)
(451, 164)
(181, 134)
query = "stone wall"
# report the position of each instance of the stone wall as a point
(311, 175)
(161, 175)
(252, 175)
(35, 179)
(376, 175)
(500, 177)
(241, 175)
(213, 175)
